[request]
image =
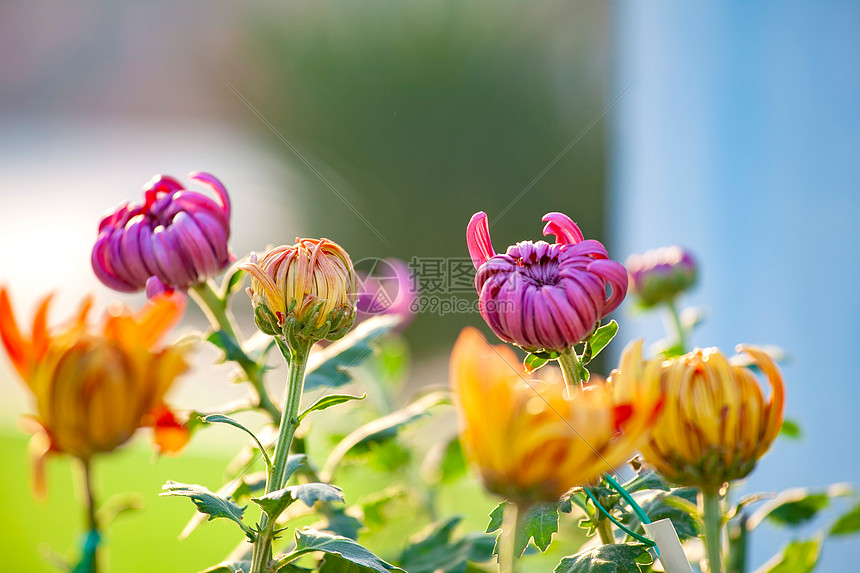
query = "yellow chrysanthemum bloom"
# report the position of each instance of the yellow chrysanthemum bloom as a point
(715, 422)
(526, 439)
(306, 290)
(94, 389)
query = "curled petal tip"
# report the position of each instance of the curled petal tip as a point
(478, 239)
(565, 230)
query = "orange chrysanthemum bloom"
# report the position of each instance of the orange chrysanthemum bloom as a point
(530, 443)
(716, 422)
(94, 389)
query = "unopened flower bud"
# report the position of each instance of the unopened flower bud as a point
(303, 292)
(661, 274)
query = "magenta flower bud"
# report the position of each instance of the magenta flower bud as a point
(540, 295)
(173, 239)
(661, 274)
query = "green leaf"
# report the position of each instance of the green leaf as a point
(847, 523)
(334, 563)
(294, 462)
(577, 498)
(797, 557)
(381, 429)
(374, 506)
(791, 430)
(232, 351)
(236, 489)
(647, 479)
(276, 502)
(532, 362)
(615, 558)
(540, 522)
(209, 503)
(601, 337)
(233, 281)
(433, 550)
(796, 506)
(222, 419)
(329, 401)
(677, 505)
(327, 368)
(444, 462)
(309, 540)
(230, 567)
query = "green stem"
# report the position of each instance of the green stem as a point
(511, 522)
(604, 529)
(298, 357)
(713, 527)
(91, 518)
(572, 370)
(215, 309)
(679, 328)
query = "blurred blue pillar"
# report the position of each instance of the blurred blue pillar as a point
(740, 139)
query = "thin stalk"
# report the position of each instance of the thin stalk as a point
(676, 321)
(91, 518)
(571, 370)
(214, 307)
(298, 357)
(713, 529)
(604, 529)
(511, 522)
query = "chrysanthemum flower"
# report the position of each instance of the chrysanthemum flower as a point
(173, 239)
(661, 274)
(528, 442)
(543, 296)
(716, 421)
(94, 388)
(306, 290)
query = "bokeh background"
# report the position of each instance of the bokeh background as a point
(729, 129)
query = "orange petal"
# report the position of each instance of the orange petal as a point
(17, 347)
(159, 316)
(41, 336)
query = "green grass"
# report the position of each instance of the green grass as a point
(138, 542)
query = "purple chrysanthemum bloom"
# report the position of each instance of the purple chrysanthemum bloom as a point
(540, 295)
(661, 274)
(173, 239)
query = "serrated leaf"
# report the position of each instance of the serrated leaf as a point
(540, 522)
(222, 419)
(532, 362)
(236, 489)
(230, 567)
(309, 540)
(791, 430)
(434, 551)
(796, 506)
(797, 557)
(329, 401)
(847, 523)
(327, 368)
(232, 351)
(647, 479)
(209, 503)
(381, 429)
(601, 338)
(614, 558)
(276, 502)
(568, 500)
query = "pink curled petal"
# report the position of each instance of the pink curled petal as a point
(162, 183)
(216, 186)
(193, 243)
(174, 271)
(568, 323)
(616, 276)
(589, 248)
(130, 250)
(155, 287)
(216, 234)
(194, 203)
(100, 260)
(116, 259)
(565, 230)
(478, 239)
